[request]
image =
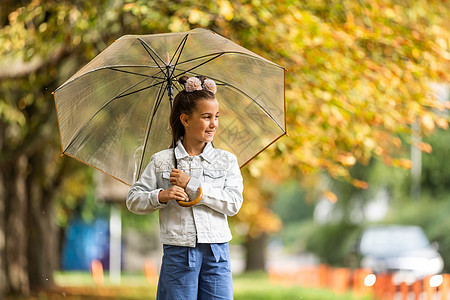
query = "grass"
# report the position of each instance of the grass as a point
(249, 286)
(257, 286)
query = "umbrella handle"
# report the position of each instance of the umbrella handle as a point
(193, 202)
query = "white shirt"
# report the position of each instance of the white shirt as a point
(216, 171)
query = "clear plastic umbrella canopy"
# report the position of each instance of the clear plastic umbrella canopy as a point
(114, 112)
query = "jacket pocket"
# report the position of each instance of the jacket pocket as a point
(166, 175)
(163, 179)
(215, 177)
(221, 252)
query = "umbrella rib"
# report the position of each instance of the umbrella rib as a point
(135, 73)
(245, 94)
(171, 71)
(259, 105)
(147, 47)
(182, 44)
(199, 65)
(139, 74)
(157, 103)
(230, 52)
(140, 90)
(129, 72)
(217, 55)
(159, 99)
(103, 68)
(270, 144)
(203, 56)
(98, 111)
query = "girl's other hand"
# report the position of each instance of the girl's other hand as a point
(174, 192)
(179, 178)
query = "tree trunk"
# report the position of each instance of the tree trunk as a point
(256, 253)
(28, 230)
(16, 229)
(43, 231)
(2, 235)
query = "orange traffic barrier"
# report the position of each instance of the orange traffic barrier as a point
(323, 275)
(357, 279)
(306, 276)
(391, 288)
(427, 287)
(416, 287)
(404, 290)
(340, 280)
(97, 272)
(283, 277)
(384, 288)
(363, 283)
(379, 286)
(301, 277)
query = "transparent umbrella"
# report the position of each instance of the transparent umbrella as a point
(113, 114)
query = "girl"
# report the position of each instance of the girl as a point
(195, 263)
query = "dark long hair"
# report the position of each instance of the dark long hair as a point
(185, 103)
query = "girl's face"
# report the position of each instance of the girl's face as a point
(201, 125)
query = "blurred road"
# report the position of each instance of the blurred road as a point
(137, 250)
(276, 258)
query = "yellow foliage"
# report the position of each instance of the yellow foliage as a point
(360, 184)
(403, 163)
(226, 10)
(332, 197)
(359, 72)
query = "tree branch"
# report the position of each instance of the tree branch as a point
(19, 69)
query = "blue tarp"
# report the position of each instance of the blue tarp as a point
(85, 242)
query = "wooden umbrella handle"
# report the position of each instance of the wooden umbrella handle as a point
(193, 202)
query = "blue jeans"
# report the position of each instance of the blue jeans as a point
(189, 273)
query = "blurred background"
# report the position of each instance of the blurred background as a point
(367, 96)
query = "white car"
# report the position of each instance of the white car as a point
(404, 251)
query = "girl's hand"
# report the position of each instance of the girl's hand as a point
(179, 178)
(174, 192)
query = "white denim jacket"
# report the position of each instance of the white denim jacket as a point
(215, 171)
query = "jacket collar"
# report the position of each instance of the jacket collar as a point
(207, 154)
